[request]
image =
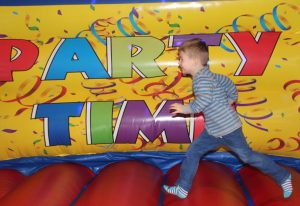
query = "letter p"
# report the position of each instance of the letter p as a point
(24, 59)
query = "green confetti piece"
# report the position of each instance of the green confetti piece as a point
(38, 20)
(174, 25)
(73, 125)
(40, 42)
(156, 10)
(181, 146)
(277, 66)
(179, 17)
(92, 7)
(36, 141)
(170, 32)
(282, 115)
(33, 28)
(118, 106)
(15, 13)
(45, 152)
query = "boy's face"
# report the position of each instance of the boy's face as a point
(187, 64)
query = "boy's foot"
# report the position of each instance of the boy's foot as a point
(287, 187)
(176, 190)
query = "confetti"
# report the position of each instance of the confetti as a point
(181, 146)
(59, 12)
(36, 141)
(45, 152)
(50, 40)
(66, 31)
(92, 7)
(38, 20)
(174, 25)
(135, 13)
(202, 9)
(280, 141)
(295, 43)
(20, 111)
(9, 130)
(277, 66)
(73, 125)
(285, 59)
(39, 42)
(179, 17)
(15, 13)
(33, 28)
(3, 35)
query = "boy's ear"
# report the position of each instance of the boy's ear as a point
(197, 61)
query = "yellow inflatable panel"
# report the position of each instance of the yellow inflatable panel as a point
(86, 79)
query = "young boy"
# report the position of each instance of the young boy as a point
(214, 95)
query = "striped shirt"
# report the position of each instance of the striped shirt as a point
(213, 94)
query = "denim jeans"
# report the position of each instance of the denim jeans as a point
(235, 141)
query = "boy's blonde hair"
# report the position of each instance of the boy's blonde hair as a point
(195, 48)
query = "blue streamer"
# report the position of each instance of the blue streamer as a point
(135, 26)
(93, 30)
(226, 48)
(263, 24)
(234, 24)
(276, 18)
(119, 24)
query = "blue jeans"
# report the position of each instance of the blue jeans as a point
(235, 141)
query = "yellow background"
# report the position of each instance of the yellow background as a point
(56, 22)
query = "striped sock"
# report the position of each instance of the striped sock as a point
(176, 190)
(287, 187)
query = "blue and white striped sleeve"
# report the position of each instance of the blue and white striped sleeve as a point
(203, 95)
(231, 90)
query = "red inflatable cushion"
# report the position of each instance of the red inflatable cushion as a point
(129, 183)
(214, 184)
(265, 192)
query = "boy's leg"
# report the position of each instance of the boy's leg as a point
(203, 144)
(237, 143)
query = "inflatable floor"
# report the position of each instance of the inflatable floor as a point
(136, 180)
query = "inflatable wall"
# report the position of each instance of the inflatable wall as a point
(95, 78)
(91, 82)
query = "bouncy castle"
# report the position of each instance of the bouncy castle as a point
(85, 91)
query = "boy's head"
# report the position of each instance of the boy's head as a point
(193, 56)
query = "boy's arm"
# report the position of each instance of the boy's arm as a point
(231, 91)
(203, 96)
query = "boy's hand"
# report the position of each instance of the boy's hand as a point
(176, 108)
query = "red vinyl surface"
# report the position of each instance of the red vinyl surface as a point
(265, 192)
(135, 183)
